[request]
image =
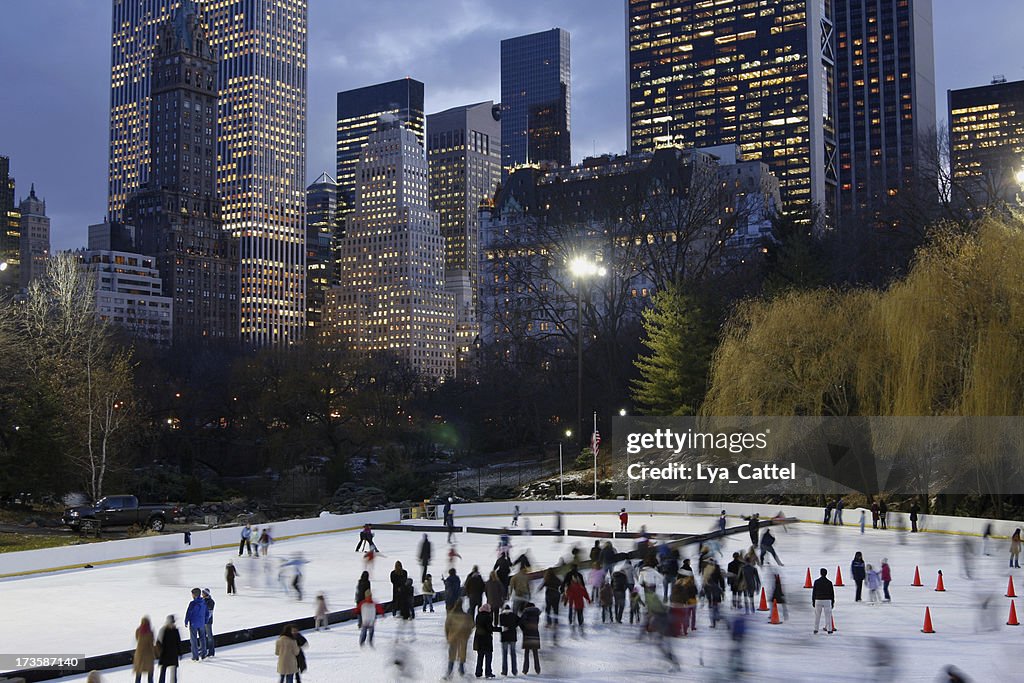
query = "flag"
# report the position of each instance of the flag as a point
(595, 442)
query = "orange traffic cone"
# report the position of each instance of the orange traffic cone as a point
(764, 602)
(938, 586)
(807, 581)
(839, 577)
(1012, 621)
(917, 577)
(927, 622)
(1009, 589)
(775, 614)
(833, 624)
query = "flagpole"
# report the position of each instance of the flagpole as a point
(594, 447)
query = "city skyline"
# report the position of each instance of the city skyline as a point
(66, 70)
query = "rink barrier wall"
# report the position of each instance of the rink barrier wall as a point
(73, 558)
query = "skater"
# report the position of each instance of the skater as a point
(863, 519)
(364, 534)
(368, 612)
(915, 509)
(857, 569)
(722, 521)
(558, 526)
(874, 581)
(452, 588)
(751, 585)
(494, 589)
(883, 510)
(168, 647)
(255, 537)
(457, 627)
(195, 621)
(398, 578)
(519, 588)
(838, 519)
(596, 580)
(985, 537)
(407, 611)
(552, 596)
(449, 520)
(452, 555)
(768, 546)
(574, 597)
(595, 555)
(515, 516)
(483, 642)
(605, 600)
(529, 622)
(669, 568)
(619, 586)
(608, 556)
(230, 573)
(362, 586)
(509, 624)
(446, 512)
(823, 599)
(145, 651)
(210, 604)
(264, 542)
(425, 554)
(738, 632)
(828, 511)
(368, 557)
(753, 525)
(623, 519)
(503, 568)
(636, 601)
(687, 596)
(886, 579)
(297, 579)
(733, 574)
(475, 587)
(287, 651)
(428, 593)
(1015, 549)
(874, 514)
(244, 543)
(966, 556)
(320, 615)
(300, 658)
(779, 595)
(504, 543)
(714, 591)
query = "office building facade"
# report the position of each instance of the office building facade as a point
(885, 91)
(536, 98)
(321, 227)
(986, 142)
(760, 76)
(261, 86)
(129, 293)
(392, 298)
(10, 232)
(464, 159)
(35, 237)
(176, 215)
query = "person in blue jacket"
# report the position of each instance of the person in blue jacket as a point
(195, 620)
(859, 573)
(452, 589)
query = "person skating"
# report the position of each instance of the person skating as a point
(368, 611)
(915, 509)
(669, 568)
(364, 537)
(452, 590)
(503, 568)
(596, 580)
(733, 573)
(515, 516)
(574, 597)
(287, 651)
(883, 510)
(508, 622)
(714, 591)
(1015, 549)
(300, 658)
(457, 627)
(255, 538)
(195, 621)
(886, 576)
(608, 556)
(425, 554)
(863, 518)
(753, 526)
(407, 611)
(605, 600)
(986, 536)
(874, 514)
(475, 586)
(428, 593)
(874, 581)
(362, 585)
(722, 521)
(636, 601)
(398, 577)
(145, 651)
(453, 554)
(168, 649)
(320, 614)
(494, 590)
(768, 546)
(529, 623)
(823, 599)
(858, 572)
(552, 587)
(245, 543)
(264, 541)
(519, 589)
(619, 587)
(688, 598)
(595, 555)
(779, 595)
(483, 642)
(838, 517)
(230, 574)
(210, 604)
(623, 519)
(751, 584)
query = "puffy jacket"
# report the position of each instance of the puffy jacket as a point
(874, 580)
(195, 615)
(482, 640)
(452, 587)
(575, 595)
(368, 611)
(509, 623)
(495, 591)
(857, 569)
(520, 584)
(169, 644)
(619, 583)
(886, 573)
(823, 590)
(529, 622)
(475, 587)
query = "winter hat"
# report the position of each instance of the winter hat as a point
(485, 607)
(885, 560)
(170, 619)
(206, 591)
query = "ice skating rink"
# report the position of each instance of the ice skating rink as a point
(93, 611)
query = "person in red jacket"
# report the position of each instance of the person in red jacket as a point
(623, 519)
(575, 594)
(368, 612)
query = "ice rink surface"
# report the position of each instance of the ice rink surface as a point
(94, 611)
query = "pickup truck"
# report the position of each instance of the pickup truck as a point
(116, 511)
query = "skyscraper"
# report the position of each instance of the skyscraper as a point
(464, 158)
(392, 299)
(35, 237)
(359, 112)
(177, 214)
(885, 78)
(10, 231)
(986, 141)
(321, 226)
(261, 84)
(535, 99)
(757, 75)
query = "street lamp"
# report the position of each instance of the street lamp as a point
(622, 413)
(581, 268)
(3, 266)
(561, 483)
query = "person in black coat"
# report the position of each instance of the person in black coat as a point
(452, 589)
(914, 510)
(859, 573)
(475, 587)
(398, 579)
(168, 643)
(509, 624)
(753, 525)
(529, 622)
(573, 573)
(503, 568)
(823, 599)
(483, 643)
(425, 553)
(619, 587)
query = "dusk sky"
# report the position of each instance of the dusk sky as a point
(55, 75)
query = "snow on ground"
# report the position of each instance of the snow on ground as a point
(96, 610)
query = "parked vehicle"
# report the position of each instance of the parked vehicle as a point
(117, 511)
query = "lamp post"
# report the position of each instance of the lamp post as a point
(581, 268)
(622, 413)
(561, 483)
